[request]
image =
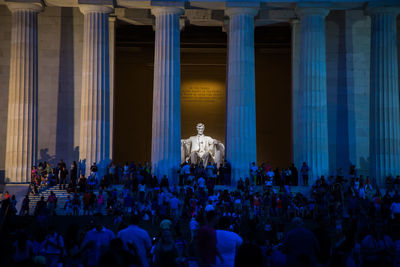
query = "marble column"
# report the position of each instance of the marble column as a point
(21, 142)
(241, 99)
(112, 20)
(95, 99)
(384, 95)
(295, 92)
(312, 96)
(166, 131)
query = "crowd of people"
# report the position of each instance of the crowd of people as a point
(343, 221)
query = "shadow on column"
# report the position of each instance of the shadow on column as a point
(338, 91)
(342, 129)
(65, 107)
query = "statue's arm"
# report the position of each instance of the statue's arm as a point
(185, 141)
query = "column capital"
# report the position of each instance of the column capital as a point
(25, 6)
(294, 22)
(232, 11)
(87, 8)
(163, 10)
(304, 11)
(373, 9)
(112, 18)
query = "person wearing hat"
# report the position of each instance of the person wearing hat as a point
(165, 224)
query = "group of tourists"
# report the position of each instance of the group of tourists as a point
(341, 221)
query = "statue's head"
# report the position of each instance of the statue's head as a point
(200, 128)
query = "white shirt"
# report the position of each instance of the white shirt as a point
(227, 243)
(395, 207)
(253, 169)
(201, 182)
(142, 188)
(174, 203)
(193, 224)
(136, 235)
(208, 208)
(186, 169)
(54, 243)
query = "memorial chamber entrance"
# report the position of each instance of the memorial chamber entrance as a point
(203, 65)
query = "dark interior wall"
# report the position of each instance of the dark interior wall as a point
(133, 104)
(273, 107)
(203, 65)
(203, 92)
(273, 94)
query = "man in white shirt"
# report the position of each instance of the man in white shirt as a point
(136, 239)
(395, 208)
(270, 174)
(214, 198)
(201, 182)
(54, 246)
(227, 243)
(174, 206)
(194, 227)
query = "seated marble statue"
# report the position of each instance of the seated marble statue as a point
(202, 149)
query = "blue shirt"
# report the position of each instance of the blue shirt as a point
(100, 241)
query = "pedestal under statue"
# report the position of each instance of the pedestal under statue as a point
(202, 149)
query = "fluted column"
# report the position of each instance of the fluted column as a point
(95, 98)
(312, 98)
(112, 26)
(23, 89)
(166, 131)
(295, 91)
(384, 95)
(241, 99)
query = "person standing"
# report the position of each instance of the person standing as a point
(228, 243)
(253, 172)
(25, 206)
(73, 174)
(295, 175)
(23, 251)
(136, 240)
(97, 241)
(52, 203)
(207, 242)
(304, 173)
(63, 177)
(54, 247)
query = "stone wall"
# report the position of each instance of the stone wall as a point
(60, 40)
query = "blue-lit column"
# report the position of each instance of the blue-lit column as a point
(312, 98)
(23, 90)
(95, 104)
(384, 95)
(241, 98)
(166, 132)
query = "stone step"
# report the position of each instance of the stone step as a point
(62, 196)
